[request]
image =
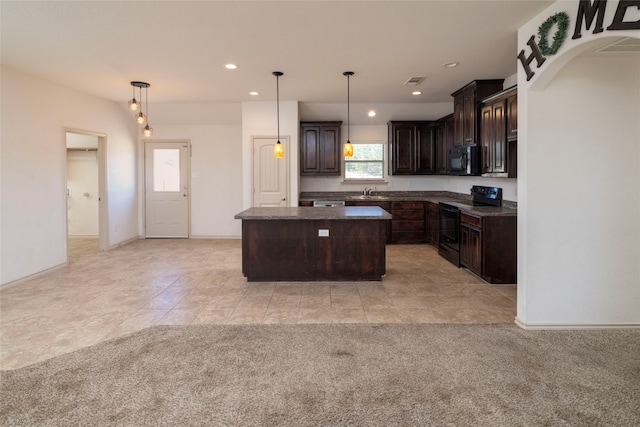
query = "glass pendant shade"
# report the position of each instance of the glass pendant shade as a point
(141, 118)
(134, 104)
(348, 149)
(147, 131)
(278, 150)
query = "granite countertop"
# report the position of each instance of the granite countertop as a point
(311, 213)
(462, 201)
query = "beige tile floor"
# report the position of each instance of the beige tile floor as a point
(104, 295)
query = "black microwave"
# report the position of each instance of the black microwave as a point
(465, 160)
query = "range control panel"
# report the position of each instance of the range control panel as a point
(491, 196)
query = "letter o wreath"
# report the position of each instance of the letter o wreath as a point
(562, 20)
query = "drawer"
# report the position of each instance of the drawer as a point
(407, 226)
(475, 221)
(407, 205)
(408, 214)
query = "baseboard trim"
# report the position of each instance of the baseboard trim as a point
(125, 242)
(215, 237)
(573, 326)
(33, 276)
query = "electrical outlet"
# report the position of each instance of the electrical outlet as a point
(323, 233)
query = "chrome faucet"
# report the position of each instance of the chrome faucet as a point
(366, 192)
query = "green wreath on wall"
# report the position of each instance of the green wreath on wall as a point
(562, 20)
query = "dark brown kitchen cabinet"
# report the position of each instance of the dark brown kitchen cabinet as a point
(320, 148)
(412, 148)
(498, 136)
(432, 223)
(444, 142)
(488, 246)
(407, 222)
(512, 115)
(493, 138)
(466, 109)
(471, 248)
(382, 204)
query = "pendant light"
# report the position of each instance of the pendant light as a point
(348, 147)
(147, 131)
(133, 102)
(278, 149)
(136, 105)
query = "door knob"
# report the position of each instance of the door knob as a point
(283, 199)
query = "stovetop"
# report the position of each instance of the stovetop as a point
(486, 196)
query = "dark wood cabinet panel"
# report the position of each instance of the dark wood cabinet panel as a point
(471, 249)
(292, 250)
(488, 246)
(499, 132)
(412, 148)
(493, 138)
(512, 116)
(432, 223)
(320, 148)
(444, 142)
(408, 222)
(382, 204)
(466, 109)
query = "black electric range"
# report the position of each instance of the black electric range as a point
(449, 246)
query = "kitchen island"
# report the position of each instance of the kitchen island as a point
(314, 243)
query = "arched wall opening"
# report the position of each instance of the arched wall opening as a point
(579, 233)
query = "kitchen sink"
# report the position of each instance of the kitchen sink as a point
(367, 197)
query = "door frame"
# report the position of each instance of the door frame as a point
(103, 199)
(284, 140)
(144, 180)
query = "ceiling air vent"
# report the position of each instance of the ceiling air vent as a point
(414, 81)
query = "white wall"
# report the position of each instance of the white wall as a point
(579, 184)
(216, 177)
(33, 226)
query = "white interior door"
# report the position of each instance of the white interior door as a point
(166, 189)
(270, 175)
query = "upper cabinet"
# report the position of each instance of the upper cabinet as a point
(412, 147)
(320, 148)
(499, 133)
(444, 142)
(466, 109)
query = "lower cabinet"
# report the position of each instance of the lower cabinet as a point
(432, 223)
(407, 223)
(488, 246)
(384, 205)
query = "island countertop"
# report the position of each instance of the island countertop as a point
(315, 213)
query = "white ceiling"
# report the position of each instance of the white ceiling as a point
(180, 47)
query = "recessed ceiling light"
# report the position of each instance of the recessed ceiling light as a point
(416, 93)
(230, 66)
(254, 93)
(450, 64)
(372, 113)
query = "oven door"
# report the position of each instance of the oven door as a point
(450, 226)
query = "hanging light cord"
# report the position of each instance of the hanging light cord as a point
(278, 103)
(348, 113)
(146, 100)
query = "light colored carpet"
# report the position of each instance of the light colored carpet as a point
(335, 375)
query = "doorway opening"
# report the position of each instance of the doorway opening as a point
(85, 190)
